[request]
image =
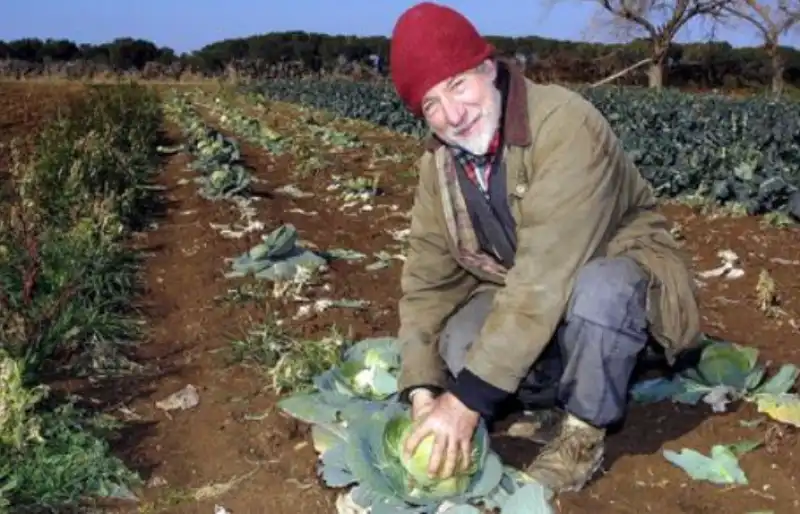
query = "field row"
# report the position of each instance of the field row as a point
(68, 285)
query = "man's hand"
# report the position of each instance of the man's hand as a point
(422, 401)
(453, 425)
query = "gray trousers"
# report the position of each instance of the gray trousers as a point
(588, 365)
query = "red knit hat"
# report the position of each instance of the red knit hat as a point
(430, 43)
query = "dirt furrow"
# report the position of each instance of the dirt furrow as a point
(233, 448)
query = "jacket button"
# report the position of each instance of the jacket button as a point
(520, 190)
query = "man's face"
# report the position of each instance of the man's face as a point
(464, 110)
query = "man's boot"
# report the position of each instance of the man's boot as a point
(567, 462)
(540, 426)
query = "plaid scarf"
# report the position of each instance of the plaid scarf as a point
(479, 167)
(456, 214)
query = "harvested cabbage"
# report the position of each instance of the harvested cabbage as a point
(417, 481)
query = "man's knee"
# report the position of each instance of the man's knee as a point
(612, 293)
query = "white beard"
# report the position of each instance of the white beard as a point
(478, 144)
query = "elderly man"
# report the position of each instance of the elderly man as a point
(534, 239)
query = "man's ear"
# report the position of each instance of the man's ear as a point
(489, 68)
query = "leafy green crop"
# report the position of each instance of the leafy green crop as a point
(18, 425)
(744, 151)
(726, 372)
(251, 129)
(223, 172)
(721, 467)
(68, 275)
(415, 479)
(277, 257)
(358, 432)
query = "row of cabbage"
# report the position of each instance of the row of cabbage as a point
(234, 119)
(68, 279)
(742, 151)
(222, 172)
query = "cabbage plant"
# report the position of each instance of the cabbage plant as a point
(374, 457)
(224, 182)
(416, 480)
(359, 428)
(369, 455)
(726, 372)
(367, 372)
(362, 384)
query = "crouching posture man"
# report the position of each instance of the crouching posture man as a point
(534, 240)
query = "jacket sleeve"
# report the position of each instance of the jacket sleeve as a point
(568, 213)
(433, 284)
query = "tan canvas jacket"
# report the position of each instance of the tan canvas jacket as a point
(575, 196)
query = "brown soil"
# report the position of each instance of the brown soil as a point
(25, 108)
(215, 444)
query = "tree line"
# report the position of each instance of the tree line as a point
(703, 64)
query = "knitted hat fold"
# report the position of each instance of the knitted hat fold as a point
(431, 43)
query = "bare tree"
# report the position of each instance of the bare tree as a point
(772, 19)
(659, 21)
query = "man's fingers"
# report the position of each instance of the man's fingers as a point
(465, 451)
(450, 460)
(417, 435)
(437, 454)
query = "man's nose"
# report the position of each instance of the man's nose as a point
(454, 112)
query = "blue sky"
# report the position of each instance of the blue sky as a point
(189, 24)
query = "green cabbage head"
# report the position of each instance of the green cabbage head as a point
(417, 482)
(369, 378)
(218, 178)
